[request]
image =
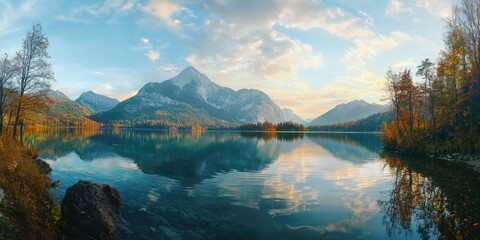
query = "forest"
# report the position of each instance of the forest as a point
(270, 127)
(441, 113)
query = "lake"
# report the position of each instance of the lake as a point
(232, 185)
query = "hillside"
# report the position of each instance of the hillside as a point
(63, 112)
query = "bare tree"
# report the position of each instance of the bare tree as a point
(35, 71)
(7, 72)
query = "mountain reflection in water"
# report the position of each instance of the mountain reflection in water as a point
(232, 185)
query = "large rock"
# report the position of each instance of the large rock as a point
(92, 211)
(43, 166)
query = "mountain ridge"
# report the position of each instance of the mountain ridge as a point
(291, 116)
(96, 102)
(345, 112)
(191, 98)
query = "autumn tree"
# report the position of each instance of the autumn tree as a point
(35, 72)
(427, 71)
(7, 72)
(442, 113)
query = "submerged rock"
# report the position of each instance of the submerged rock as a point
(43, 166)
(92, 211)
(55, 183)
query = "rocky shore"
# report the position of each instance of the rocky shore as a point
(471, 160)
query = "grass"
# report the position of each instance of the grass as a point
(27, 208)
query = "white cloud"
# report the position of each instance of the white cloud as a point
(164, 10)
(12, 13)
(301, 14)
(153, 55)
(406, 63)
(395, 8)
(168, 68)
(269, 55)
(440, 8)
(145, 41)
(366, 49)
(112, 8)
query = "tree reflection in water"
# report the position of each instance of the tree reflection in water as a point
(434, 198)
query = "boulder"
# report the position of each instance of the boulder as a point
(43, 166)
(92, 211)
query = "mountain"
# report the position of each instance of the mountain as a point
(191, 98)
(57, 95)
(63, 112)
(353, 110)
(372, 123)
(96, 102)
(289, 115)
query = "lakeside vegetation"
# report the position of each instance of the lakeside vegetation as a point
(441, 114)
(27, 210)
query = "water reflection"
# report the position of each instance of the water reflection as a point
(432, 198)
(284, 136)
(204, 185)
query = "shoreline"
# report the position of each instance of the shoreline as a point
(471, 161)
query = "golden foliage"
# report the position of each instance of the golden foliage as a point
(27, 205)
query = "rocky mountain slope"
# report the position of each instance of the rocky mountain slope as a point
(354, 110)
(191, 98)
(95, 102)
(289, 115)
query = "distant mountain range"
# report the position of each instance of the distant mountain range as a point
(354, 110)
(371, 123)
(191, 98)
(63, 113)
(289, 115)
(95, 102)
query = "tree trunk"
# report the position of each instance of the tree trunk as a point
(17, 119)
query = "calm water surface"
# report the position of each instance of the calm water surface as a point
(229, 185)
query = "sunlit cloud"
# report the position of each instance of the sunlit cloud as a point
(395, 8)
(165, 10)
(440, 8)
(406, 63)
(13, 12)
(153, 55)
(272, 56)
(84, 13)
(367, 49)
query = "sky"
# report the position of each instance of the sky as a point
(307, 55)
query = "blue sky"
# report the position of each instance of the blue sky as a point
(307, 55)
